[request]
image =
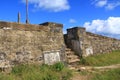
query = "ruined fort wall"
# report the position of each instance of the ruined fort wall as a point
(75, 39)
(86, 43)
(32, 43)
(102, 44)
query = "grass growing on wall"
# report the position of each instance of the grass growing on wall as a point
(102, 59)
(35, 72)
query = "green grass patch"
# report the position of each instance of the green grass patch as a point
(36, 72)
(113, 74)
(102, 59)
(6, 77)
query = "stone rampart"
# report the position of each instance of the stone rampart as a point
(43, 43)
(102, 44)
(86, 43)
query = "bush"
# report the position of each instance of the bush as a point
(58, 66)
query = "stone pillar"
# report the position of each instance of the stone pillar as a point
(82, 40)
(18, 17)
(75, 40)
(27, 20)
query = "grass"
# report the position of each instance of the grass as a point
(102, 59)
(113, 74)
(59, 72)
(36, 72)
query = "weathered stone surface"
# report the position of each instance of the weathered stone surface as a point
(2, 55)
(89, 51)
(86, 43)
(25, 43)
(51, 57)
(4, 63)
(75, 39)
(44, 43)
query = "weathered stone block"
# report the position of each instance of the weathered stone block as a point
(51, 57)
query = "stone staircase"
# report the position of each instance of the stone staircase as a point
(72, 58)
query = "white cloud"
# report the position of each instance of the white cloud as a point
(111, 6)
(107, 4)
(110, 27)
(72, 21)
(51, 5)
(101, 3)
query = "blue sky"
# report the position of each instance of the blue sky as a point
(97, 16)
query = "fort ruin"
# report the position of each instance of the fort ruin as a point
(86, 43)
(46, 44)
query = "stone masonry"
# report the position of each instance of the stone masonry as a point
(45, 43)
(86, 43)
(26, 43)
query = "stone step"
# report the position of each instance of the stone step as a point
(69, 53)
(67, 49)
(72, 61)
(73, 67)
(72, 57)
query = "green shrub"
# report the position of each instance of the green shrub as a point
(58, 66)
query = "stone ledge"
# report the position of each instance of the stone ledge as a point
(52, 23)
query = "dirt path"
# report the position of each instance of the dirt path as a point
(77, 76)
(99, 68)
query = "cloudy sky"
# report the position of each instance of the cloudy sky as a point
(97, 16)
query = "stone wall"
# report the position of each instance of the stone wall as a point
(86, 43)
(44, 43)
(102, 44)
(31, 43)
(74, 39)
